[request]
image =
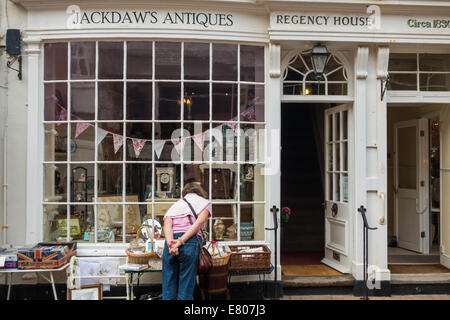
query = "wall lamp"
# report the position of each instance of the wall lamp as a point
(319, 59)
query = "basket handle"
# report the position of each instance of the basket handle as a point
(138, 233)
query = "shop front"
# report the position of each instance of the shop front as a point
(263, 104)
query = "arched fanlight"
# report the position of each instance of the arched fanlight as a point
(319, 59)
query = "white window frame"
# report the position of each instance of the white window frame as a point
(96, 162)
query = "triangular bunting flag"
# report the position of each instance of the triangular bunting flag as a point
(159, 146)
(179, 144)
(81, 127)
(101, 134)
(199, 140)
(118, 142)
(63, 115)
(138, 145)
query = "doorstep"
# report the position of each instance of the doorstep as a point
(345, 280)
(441, 278)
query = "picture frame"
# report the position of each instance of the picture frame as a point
(86, 292)
(112, 213)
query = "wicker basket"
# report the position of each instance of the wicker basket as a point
(145, 257)
(218, 260)
(249, 260)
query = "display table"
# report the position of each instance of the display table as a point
(9, 273)
(130, 281)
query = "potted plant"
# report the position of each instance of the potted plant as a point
(285, 215)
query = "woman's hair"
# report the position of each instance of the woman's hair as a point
(193, 187)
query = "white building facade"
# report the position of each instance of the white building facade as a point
(113, 81)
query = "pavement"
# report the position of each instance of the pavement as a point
(351, 297)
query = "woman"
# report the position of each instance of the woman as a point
(181, 249)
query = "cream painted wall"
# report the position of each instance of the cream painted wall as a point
(14, 99)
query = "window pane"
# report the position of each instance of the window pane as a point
(110, 60)
(337, 89)
(81, 182)
(110, 100)
(337, 186)
(434, 62)
(252, 222)
(252, 102)
(434, 82)
(82, 223)
(139, 100)
(55, 142)
(139, 60)
(196, 61)
(83, 137)
(139, 182)
(107, 151)
(223, 182)
(252, 63)
(139, 151)
(252, 183)
(82, 60)
(82, 95)
(224, 61)
(407, 158)
(134, 214)
(168, 104)
(168, 60)
(402, 82)
(55, 61)
(252, 142)
(402, 62)
(196, 101)
(292, 88)
(167, 181)
(55, 101)
(109, 180)
(224, 222)
(55, 182)
(109, 222)
(224, 104)
(194, 173)
(193, 150)
(164, 131)
(53, 231)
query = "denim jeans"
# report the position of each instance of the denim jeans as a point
(179, 273)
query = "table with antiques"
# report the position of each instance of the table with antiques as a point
(41, 272)
(130, 280)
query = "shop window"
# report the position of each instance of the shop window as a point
(419, 72)
(299, 77)
(128, 123)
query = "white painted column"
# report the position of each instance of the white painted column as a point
(359, 111)
(272, 150)
(34, 163)
(371, 162)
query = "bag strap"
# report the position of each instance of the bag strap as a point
(190, 220)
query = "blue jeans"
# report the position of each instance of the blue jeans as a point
(179, 273)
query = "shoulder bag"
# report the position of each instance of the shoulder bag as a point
(204, 257)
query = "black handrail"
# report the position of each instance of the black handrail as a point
(366, 229)
(274, 211)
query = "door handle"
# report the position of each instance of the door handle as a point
(334, 210)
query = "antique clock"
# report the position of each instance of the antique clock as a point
(164, 182)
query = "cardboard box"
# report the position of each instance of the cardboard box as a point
(46, 255)
(8, 259)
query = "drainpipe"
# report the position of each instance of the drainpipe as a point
(5, 137)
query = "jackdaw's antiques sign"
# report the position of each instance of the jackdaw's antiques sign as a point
(148, 18)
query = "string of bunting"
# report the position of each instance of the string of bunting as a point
(138, 144)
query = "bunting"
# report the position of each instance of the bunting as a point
(199, 140)
(118, 142)
(159, 146)
(81, 127)
(101, 134)
(138, 145)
